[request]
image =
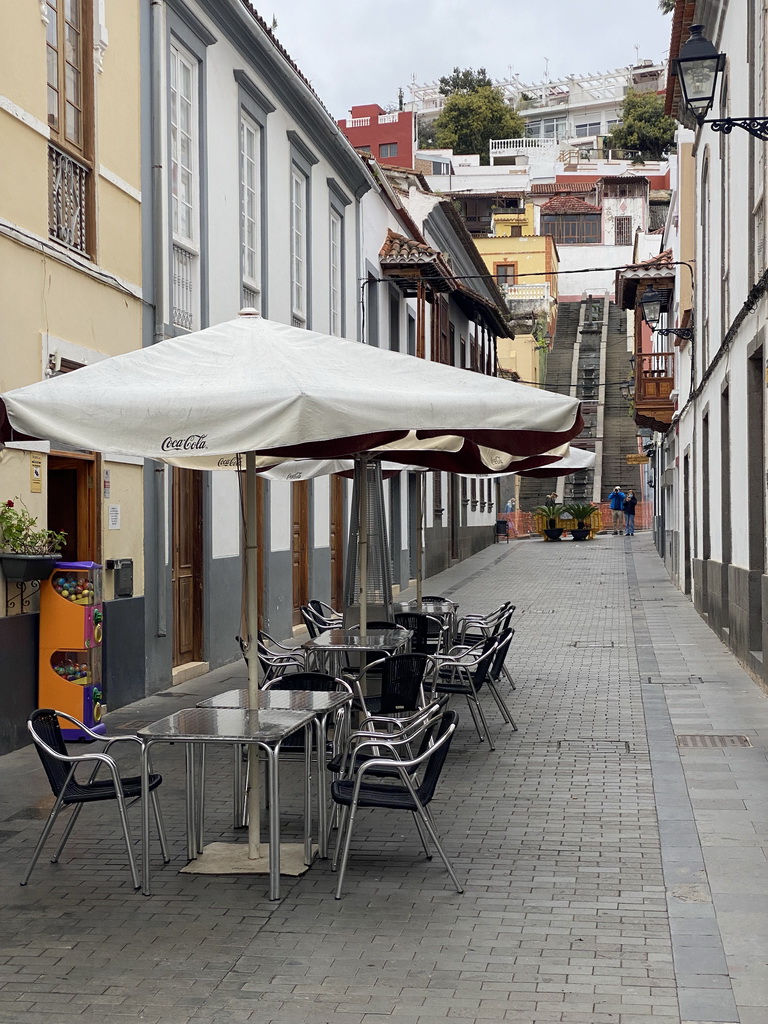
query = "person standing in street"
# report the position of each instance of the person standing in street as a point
(616, 502)
(630, 501)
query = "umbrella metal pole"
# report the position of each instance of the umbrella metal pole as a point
(252, 619)
(419, 538)
(362, 535)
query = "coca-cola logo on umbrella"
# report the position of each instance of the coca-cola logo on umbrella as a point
(191, 443)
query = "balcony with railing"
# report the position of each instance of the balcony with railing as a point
(528, 297)
(654, 384)
(68, 183)
(183, 288)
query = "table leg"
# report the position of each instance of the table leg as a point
(321, 723)
(201, 799)
(189, 802)
(145, 818)
(238, 804)
(308, 730)
(273, 757)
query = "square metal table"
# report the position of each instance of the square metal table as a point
(333, 643)
(446, 611)
(322, 704)
(195, 726)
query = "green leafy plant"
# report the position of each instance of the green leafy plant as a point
(552, 514)
(19, 533)
(581, 512)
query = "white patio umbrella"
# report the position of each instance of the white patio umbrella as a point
(257, 388)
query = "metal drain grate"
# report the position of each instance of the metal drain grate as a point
(591, 643)
(708, 741)
(581, 746)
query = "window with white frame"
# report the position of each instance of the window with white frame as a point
(335, 262)
(299, 228)
(250, 210)
(184, 188)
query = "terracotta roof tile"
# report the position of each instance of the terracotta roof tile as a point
(556, 188)
(398, 249)
(662, 260)
(568, 204)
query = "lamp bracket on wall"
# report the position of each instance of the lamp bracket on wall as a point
(756, 126)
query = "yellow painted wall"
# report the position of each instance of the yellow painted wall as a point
(533, 256)
(503, 222)
(127, 491)
(46, 288)
(687, 200)
(519, 355)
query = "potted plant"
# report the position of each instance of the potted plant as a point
(582, 512)
(553, 530)
(26, 553)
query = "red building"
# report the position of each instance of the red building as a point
(390, 138)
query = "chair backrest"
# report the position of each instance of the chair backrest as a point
(417, 623)
(44, 727)
(434, 597)
(483, 666)
(319, 682)
(309, 620)
(502, 623)
(321, 610)
(441, 729)
(503, 640)
(402, 680)
(244, 647)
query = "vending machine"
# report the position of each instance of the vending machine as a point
(71, 628)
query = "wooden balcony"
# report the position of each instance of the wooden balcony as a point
(654, 383)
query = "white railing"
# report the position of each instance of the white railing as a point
(358, 122)
(513, 145)
(251, 298)
(67, 206)
(527, 292)
(183, 288)
(389, 118)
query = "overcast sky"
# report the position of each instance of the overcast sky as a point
(362, 51)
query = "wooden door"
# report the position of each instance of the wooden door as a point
(73, 505)
(186, 566)
(300, 546)
(337, 542)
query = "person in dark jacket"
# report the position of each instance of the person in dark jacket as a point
(630, 501)
(616, 502)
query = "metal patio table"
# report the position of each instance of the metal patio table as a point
(322, 704)
(328, 647)
(196, 727)
(443, 610)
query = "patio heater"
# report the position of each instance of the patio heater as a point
(368, 491)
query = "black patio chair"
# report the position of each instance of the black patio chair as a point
(315, 621)
(429, 633)
(497, 669)
(465, 673)
(276, 659)
(321, 610)
(472, 628)
(405, 794)
(60, 767)
(318, 682)
(401, 680)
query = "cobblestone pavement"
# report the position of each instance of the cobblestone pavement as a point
(612, 876)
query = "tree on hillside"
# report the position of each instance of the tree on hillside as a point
(464, 81)
(468, 121)
(644, 126)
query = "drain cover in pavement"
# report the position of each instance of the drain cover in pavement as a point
(675, 680)
(708, 740)
(592, 643)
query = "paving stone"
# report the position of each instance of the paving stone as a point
(581, 841)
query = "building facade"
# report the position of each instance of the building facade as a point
(388, 136)
(710, 464)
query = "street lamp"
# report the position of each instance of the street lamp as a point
(697, 68)
(651, 304)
